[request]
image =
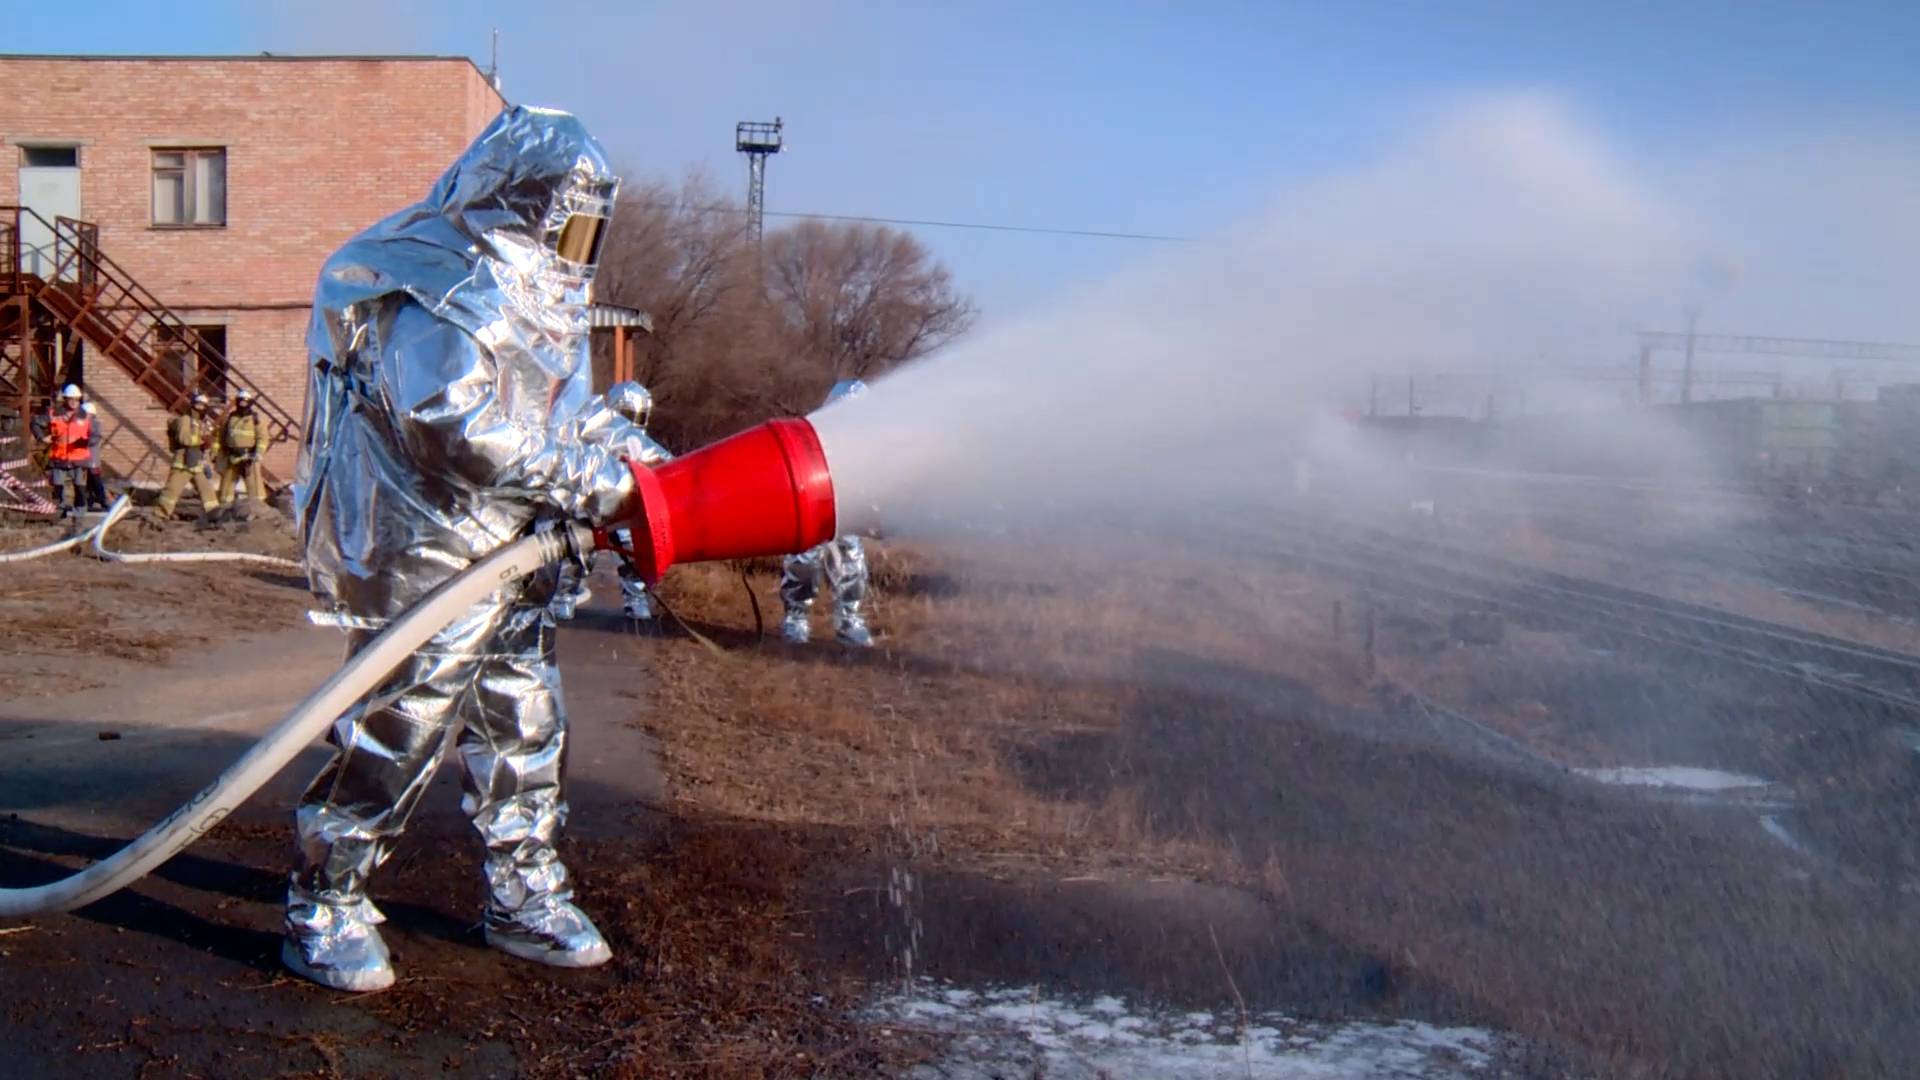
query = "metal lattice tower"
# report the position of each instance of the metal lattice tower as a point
(758, 141)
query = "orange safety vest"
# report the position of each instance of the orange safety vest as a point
(67, 438)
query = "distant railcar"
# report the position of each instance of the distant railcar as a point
(1846, 451)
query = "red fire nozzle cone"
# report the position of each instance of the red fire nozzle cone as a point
(764, 491)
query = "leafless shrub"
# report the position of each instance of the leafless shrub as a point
(742, 334)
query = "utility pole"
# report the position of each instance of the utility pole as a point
(1646, 375)
(758, 141)
(1686, 373)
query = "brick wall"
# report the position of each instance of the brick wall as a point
(316, 151)
(268, 345)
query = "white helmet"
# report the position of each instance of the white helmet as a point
(632, 401)
(87, 408)
(72, 391)
(243, 394)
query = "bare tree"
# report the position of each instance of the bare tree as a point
(858, 300)
(678, 254)
(740, 335)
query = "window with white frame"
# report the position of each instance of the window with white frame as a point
(190, 187)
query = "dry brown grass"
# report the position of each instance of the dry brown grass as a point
(710, 978)
(69, 621)
(978, 660)
(1056, 715)
(1207, 723)
(1700, 583)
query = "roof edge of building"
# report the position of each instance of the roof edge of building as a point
(370, 57)
(268, 58)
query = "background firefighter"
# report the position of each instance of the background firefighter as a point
(67, 431)
(189, 435)
(449, 412)
(633, 402)
(842, 563)
(243, 437)
(96, 480)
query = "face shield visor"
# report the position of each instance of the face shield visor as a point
(580, 239)
(584, 212)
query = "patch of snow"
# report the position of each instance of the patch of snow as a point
(1674, 776)
(1779, 832)
(1824, 598)
(1019, 1031)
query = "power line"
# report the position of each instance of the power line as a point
(987, 227)
(722, 208)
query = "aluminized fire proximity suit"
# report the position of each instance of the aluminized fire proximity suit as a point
(449, 413)
(842, 562)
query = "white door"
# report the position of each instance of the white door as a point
(50, 187)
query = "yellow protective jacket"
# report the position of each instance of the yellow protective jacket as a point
(187, 438)
(243, 436)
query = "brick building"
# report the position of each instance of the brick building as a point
(217, 186)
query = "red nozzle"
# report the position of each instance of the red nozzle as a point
(764, 491)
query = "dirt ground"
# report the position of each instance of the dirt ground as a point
(1092, 768)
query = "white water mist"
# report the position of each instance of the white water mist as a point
(1501, 237)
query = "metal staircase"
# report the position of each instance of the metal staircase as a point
(86, 296)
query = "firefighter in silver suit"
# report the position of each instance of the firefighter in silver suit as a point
(632, 401)
(449, 413)
(841, 563)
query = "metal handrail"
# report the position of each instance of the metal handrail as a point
(10, 250)
(79, 264)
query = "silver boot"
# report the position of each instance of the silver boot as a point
(853, 631)
(551, 931)
(337, 945)
(799, 581)
(530, 913)
(638, 605)
(844, 563)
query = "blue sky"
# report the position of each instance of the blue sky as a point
(1159, 118)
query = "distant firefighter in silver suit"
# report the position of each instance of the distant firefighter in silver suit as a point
(842, 563)
(632, 401)
(449, 413)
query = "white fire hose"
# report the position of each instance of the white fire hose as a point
(98, 536)
(56, 547)
(119, 510)
(401, 638)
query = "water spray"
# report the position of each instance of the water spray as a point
(765, 491)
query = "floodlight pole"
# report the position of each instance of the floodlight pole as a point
(758, 141)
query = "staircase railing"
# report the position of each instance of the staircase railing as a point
(123, 321)
(10, 283)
